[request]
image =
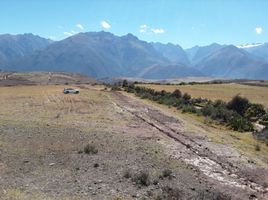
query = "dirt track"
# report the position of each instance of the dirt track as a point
(220, 171)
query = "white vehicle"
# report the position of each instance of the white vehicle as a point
(70, 91)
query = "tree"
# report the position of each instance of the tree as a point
(125, 83)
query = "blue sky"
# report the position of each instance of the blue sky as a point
(184, 22)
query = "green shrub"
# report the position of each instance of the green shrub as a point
(125, 83)
(255, 111)
(237, 113)
(189, 109)
(238, 123)
(239, 104)
(208, 110)
(186, 97)
(176, 94)
(115, 88)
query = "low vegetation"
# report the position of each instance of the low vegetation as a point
(142, 178)
(238, 114)
(90, 149)
(214, 91)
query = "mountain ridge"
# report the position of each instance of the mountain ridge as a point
(103, 54)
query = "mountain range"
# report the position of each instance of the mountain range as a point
(103, 54)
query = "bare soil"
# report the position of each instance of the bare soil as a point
(43, 134)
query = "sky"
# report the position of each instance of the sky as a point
(184, 22)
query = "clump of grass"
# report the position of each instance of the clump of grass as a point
(96, 165)
(127, 174)
(257, 147)
(171, 193)
(142, 178)
(167, 173)
(90, 149)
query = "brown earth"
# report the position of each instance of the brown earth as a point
(43, 134)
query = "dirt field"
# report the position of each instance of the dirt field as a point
(43, 134)
(43, 78)
(257, 94)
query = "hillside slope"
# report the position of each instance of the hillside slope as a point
(13, 47)
(232, 62)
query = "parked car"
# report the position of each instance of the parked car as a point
(70, 91)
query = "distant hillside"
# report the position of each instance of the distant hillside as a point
(97, 54)
(232, 62)
(13, 47)
(197, 54)
(105, 55)
(174, 53)
(170, 71)
(260, 51)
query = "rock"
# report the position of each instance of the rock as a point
(51, 164)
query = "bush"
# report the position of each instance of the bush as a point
(237, 113)
(176, 93)
(219, 103)
(115, 88)
(208, 110)
(90, 149)
(189, 109)
(239, 104)
(125, 83)
(142, 178)
(255, 111)
(186, 97)
(238, 123)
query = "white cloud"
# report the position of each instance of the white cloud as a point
(80, 26)
(68, 33)
(158, 30)
(143, 28)
(258, 30)
(52, 37)
(105, 24)
(73, 32)
(147, 29)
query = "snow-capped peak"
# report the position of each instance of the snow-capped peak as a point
(245, 46)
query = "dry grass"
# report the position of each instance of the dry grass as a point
(48, 105)
(245, 143)
(224, 92)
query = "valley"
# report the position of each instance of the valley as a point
(137, 149)
(134, 100)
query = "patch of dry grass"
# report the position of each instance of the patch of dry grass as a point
(224, 92)
(245, 143)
